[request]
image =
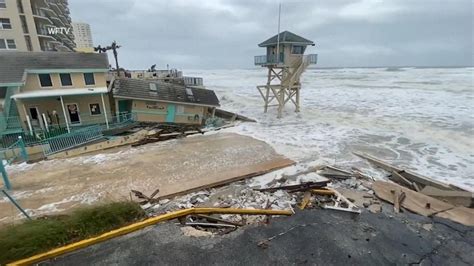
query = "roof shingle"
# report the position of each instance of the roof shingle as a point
(140, 89)
(286, 37)
(14, 64)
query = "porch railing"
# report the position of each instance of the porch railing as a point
(70, 140)
(37, 135)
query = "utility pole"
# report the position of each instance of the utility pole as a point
(114, 46)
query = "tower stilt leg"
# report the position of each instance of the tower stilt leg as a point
(267, 94)
(297, 100)
(281, 102)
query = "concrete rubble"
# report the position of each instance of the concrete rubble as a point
(299, 186)
(245, 194)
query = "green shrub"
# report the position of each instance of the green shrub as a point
(40, 235)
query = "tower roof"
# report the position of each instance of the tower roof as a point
(286, 37)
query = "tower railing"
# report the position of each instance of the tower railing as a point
(268, 59)
(313, 58)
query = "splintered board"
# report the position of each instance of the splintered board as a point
(460, 214)
(414, 201)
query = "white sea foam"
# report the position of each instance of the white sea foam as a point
(419, 118)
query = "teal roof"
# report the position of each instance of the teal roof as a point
(286, 37)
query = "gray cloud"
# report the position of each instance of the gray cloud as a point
(225, 34)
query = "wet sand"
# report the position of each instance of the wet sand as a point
(56, 186)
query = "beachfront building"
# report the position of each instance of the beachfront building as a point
(35, 25)
(44, 90)
(173, 76)
(161, 102)
(83, 37)
(286, 62)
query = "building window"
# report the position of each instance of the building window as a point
(180, 109)
(65, 79)
(3, 92)
(45, 80)
(5, 24)
(3, 4)
(7, 44)
(20, 6)
(11, 44)
(297, 49)
(24, 25)
(89, 78)
(95, 108)
(29, 46)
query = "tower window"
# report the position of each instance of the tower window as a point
(297, 49)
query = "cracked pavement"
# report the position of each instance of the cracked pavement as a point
(313, 236)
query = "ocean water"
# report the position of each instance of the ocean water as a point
(418, 118)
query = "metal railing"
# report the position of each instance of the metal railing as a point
(313, 58)
(268, 59)
(272, 59)
(10, 154)
(193, 81)
(36, 135)
(70, 140)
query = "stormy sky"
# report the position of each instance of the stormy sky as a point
(225, 33)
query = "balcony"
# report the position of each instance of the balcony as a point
(313, 58)
(43, 33)
(268, 60)
(262, 60)
(41, 15)
(193, 81)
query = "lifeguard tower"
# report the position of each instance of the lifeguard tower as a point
(284, 71)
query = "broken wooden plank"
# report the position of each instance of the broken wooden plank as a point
(396, 200)
(324, 192)
(341, 203)
(229, 177)
(339, 170)
(215, 219)
(413, 177)
(209, 224)
(298, 187)
(458, 198)
(416, 187)
(306, 199)
(229, 115)
(459, 214)
(414, 201)
(401, 180)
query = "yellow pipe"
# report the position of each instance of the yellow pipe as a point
(323, 192)
(140, 225)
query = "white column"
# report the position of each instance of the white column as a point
(105, 110)
(45, 122)
(65, 115)
(29, 124)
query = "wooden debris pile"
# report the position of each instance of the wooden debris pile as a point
(161, 132)
(423, 195)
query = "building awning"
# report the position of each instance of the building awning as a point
(59, 92)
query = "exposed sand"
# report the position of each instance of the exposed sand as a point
(55, 186)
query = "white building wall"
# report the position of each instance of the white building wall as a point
(82, 35)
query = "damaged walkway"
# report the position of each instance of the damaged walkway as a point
(173, 167)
